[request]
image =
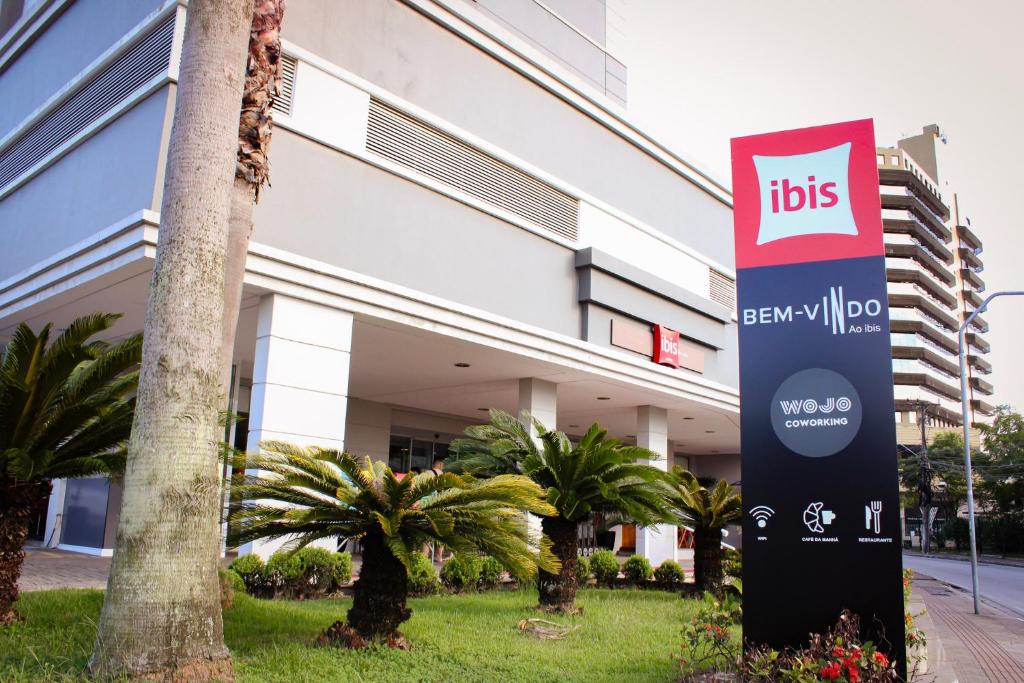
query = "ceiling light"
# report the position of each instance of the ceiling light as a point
(483, 410)
(574, 426)
(709, 431)
(462, 365)
(604, 398)
(687, 418)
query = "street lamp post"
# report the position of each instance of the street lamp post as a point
(966, 408)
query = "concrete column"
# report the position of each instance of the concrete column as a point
(55, 514)
(657, 543)
(539, 398)
(300, 380)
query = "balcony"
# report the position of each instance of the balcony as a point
(947, 414)
(930, 333)
(972, 278)
(973, 298)
(978, 323)
(900, 176)
(968, 238)
(969, 258)
(926, 283)
(916, 301)
(920, 255)
(981, 386)
(907, 201)
(977, 342)
(917, 230)
(925, 355)
(921, 379)
(979, 364)
(980, 406)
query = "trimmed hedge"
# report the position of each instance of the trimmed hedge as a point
(423, 579)
(670, 573)
(490, 573)
(582, 570)
(637, 569)
(309, 573)
(461, 572)
(605, 567)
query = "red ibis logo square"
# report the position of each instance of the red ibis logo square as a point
(666, 346)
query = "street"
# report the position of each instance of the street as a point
(1000, 584)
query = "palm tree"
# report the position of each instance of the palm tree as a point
(65, 411)
(707, 512)
(307, 494)
(597, 475)
(252, 166)
(161, 613)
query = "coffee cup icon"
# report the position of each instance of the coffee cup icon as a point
(816, 519)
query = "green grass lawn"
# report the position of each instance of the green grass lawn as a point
(624, 635)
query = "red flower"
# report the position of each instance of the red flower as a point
(882, 659)
(831, 672)
(837, 651)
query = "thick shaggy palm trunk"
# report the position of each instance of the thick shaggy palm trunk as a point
(558, 591)
(378, 605)
(707, 558)
(16, 504)
(161, 616)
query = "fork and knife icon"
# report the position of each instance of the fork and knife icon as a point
(872, 516)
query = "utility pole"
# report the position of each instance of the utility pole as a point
(924, 479)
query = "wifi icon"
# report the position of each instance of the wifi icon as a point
(762, 513)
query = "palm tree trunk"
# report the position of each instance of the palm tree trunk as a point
(378, 605)
(558, 591)
(161, 616)
(707, 558)
(17, 500)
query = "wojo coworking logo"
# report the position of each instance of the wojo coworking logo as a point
(805, 194)
(816, 412)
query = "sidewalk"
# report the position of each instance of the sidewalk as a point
(964, 647)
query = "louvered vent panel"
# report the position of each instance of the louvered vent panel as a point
(283, 102)
(723, 289)
(419, 146)
(146, 59)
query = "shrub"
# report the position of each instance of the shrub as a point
(229, 582)
(253, 572)
(284, 574)
(582, 570)
(732, 563)
(341, 575)
(637, 569)
(422, 576)
(316, 571)
(461, 572)
(490, 572)
(670, 572)
(605, 567)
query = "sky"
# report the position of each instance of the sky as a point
(702, 72)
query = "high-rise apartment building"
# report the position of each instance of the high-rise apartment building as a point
(932, 266)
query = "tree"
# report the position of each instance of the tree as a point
(161, 614)
(707, 511)
(308, 494)
(252, 168)
(65, 411)
(598, 475)
(1001, 486)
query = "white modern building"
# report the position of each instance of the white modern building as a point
(462, 217)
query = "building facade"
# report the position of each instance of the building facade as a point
(462, 217)
(932, 266)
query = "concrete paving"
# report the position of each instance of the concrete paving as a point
(964, 647)
(45, 569)
(1000, 584)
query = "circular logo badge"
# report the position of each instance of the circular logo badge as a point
(816, 412)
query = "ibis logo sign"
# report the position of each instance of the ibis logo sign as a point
(805, 194)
